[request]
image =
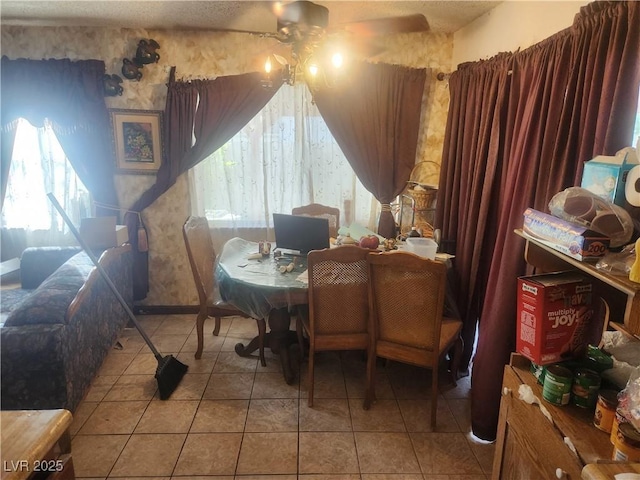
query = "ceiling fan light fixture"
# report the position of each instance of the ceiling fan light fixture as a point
(319, 54)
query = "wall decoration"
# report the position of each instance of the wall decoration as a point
(145, 54)
(112, 85)
(137, 140)
(131, 70)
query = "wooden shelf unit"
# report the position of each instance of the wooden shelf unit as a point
(530, 446)
(622, 295)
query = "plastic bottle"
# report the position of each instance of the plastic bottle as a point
(414, 232)
(634, 273)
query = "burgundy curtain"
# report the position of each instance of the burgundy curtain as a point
(375, 119)
(563, 101)
(471, 171)
(69, 94)
(211, 110)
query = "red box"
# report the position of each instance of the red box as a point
(554, 313)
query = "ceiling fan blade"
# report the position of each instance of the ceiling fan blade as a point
(362, 47)
(388, 26)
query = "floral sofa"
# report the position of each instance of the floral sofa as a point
(54, 336)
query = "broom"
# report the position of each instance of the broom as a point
(170, 370)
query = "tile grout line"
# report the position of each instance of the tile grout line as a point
(298, 421)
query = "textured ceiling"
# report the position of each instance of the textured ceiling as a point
(443, 16)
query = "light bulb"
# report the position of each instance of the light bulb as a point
(337, 60)
(313, 69)
(267, 65)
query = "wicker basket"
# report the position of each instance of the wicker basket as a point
(425, 228)
(425, 199)
(426, 173)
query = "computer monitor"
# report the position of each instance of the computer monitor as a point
(300, 233)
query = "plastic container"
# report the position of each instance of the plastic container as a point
(634, 273)
(424, 247)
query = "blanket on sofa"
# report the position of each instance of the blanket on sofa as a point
(55, 338)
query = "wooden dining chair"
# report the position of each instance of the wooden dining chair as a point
(338, 303)
(202, 256)
(317, 210)
(406, 324)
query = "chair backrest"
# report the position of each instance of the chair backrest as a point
(338, 290)
(322, 211)
(197, 240)
(407, 298)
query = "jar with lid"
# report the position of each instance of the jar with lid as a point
(626, 445)
(605, 409)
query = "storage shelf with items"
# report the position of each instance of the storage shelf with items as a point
(541, 440)
(621, 294)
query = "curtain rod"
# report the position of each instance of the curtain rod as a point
(445, 76)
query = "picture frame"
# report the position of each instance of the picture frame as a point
(137, 140)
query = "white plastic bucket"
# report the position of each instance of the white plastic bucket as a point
(425, 247)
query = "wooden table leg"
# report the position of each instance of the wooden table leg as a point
(278, 339)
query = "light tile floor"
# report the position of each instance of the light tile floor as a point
(232, 418)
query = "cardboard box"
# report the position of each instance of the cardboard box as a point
(102, 232)
(606, 176)
(554, 312)
(574, 240)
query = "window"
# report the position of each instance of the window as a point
(283, 158)
(39, 166)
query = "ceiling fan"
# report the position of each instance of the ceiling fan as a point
(302, 22)
(302, 18)
(303, 28)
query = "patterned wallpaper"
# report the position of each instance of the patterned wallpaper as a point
(205, 55)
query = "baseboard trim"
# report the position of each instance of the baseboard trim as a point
(165, 309)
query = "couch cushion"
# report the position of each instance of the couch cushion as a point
(37, 263)
(49, 302)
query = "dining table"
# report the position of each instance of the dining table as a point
(264, 288)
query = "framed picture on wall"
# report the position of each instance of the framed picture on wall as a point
(137, 136)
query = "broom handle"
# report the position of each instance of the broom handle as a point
(102, 271)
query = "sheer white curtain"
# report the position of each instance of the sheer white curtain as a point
(284, 158)
(39, 166)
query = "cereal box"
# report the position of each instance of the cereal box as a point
(554, 312)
